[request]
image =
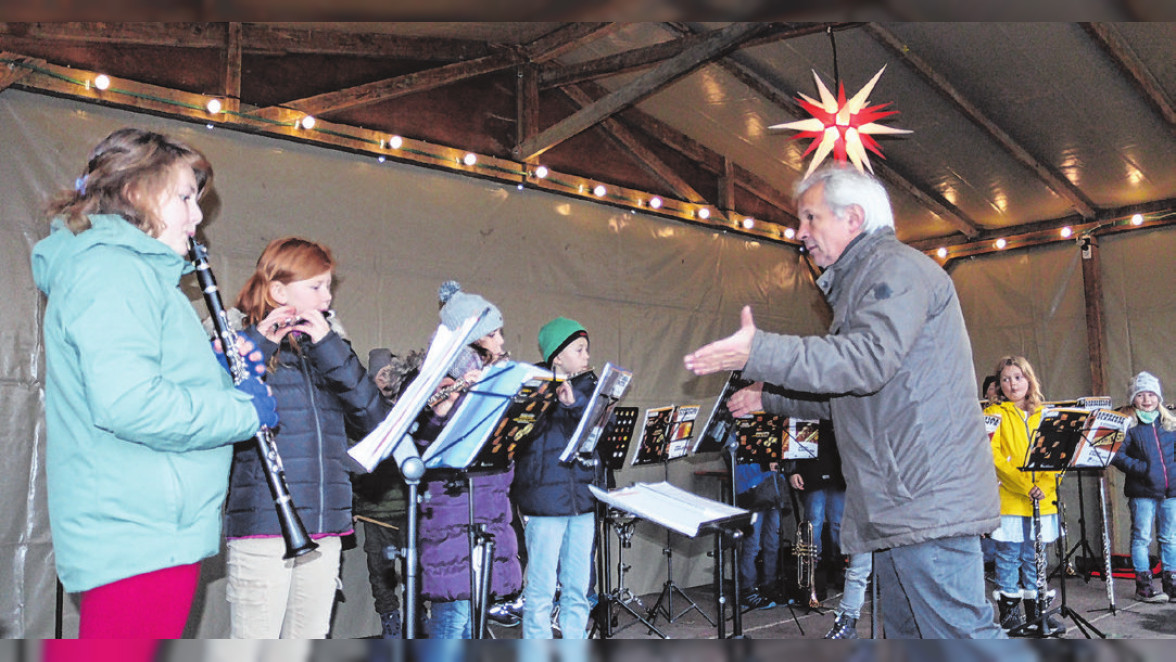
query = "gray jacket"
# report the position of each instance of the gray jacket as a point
(895, 375)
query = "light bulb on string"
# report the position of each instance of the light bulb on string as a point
(1001, 243)
(395, 142)
(655, 203)
(307, 122)
(1137, 219)
(789, 233)
(541, 172)
(704, 213)
(213, 106)
(1066, 232)
(748, 223)
(470, 158)
(599, 191)
(942, 252)
(102, 81)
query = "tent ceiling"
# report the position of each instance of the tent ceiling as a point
(1016, 126)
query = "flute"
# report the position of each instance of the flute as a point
(328, 314)
(297, 540)
(461, 384)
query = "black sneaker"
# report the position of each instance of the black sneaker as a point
(753, 601)
(843, 628)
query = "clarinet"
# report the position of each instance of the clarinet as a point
(1039, 563)
(293, 531)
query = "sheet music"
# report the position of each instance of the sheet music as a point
(610, 388)
(668, 506)
(470, 425)
(390, 434)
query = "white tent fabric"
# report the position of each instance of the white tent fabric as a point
(648, 290)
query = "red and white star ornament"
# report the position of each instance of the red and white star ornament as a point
(843, 128)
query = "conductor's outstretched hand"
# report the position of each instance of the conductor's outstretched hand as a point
(730, 353)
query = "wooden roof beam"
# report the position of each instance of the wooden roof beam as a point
(717, 43)
(550, 45)
(1116, 47)
(650, 161)
(12, 74)
(399, 86)
(567, 38)
(258, 38)
(1053, 180)
(231, 67)
(637, 58)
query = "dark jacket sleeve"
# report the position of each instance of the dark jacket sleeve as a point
(1130, 458)
(344, 375)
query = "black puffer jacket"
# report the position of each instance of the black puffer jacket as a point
(544, 486)
(323, 395)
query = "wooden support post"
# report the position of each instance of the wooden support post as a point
(231, 67)
(1095, 334)
(527, 102)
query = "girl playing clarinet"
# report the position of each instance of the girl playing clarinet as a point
(140, 416)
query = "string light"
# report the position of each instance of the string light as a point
(307, 122)
(395, 142)
(541, 172)
(102, 81)
(1001, 243)
(213, 106)
(1137, 219)
(599, 191)
(470, 158)
(942, 252)
(1066, 232)
(748, 223)
(789, 233)
(704, 213)
(655, 203)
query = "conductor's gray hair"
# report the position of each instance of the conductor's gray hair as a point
(845, 186)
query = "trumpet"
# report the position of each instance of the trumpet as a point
(805, 551)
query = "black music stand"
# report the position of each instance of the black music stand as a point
(666, 437)
(611, 451)
(690, 515)
(1068, 439)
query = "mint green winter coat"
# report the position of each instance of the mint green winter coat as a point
(140, 415)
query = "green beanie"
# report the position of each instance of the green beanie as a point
(557, 334)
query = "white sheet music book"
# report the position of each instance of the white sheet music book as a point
(669, 506)
(390, 434)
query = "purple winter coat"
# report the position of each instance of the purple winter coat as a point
(443, 533)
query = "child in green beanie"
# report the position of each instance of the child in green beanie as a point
(554, 496)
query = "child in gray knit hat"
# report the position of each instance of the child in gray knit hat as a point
(1146, 458)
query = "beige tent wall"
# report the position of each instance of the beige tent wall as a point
(648, 289)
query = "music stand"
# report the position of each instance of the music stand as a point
(1067, 438)
(666, 437)
(688, 514)
(611, 449)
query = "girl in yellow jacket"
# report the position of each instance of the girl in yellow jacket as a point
(1019, 407)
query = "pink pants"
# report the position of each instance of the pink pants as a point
(153, 605)
(109, 650)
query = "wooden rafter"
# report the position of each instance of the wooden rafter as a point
(566, 38)
(1053, 180)
(231, 66)
(547, 46)
(738, 66)
(10, 75)
(1112, 42)
(650, 161)
(398, 86)
(637, 58)
(707, 159)
(257, 39)
(716, 43)
(527, 101)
